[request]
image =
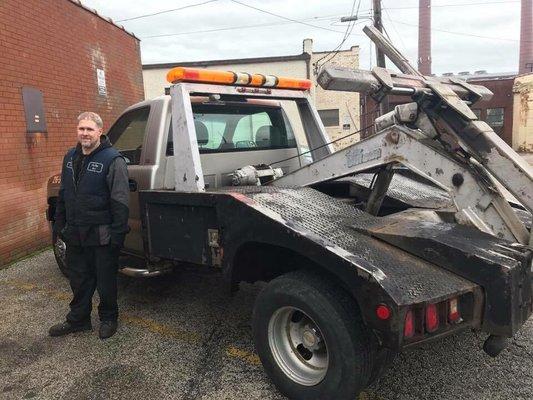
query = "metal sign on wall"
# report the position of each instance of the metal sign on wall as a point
(100, 75)
(33, 109)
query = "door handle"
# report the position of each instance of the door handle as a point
(132, 184)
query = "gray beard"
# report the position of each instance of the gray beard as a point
(90, 147)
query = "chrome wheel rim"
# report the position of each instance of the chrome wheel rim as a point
(298, 346)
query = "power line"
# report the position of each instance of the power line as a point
(289, 19)
(448, 5)
(485, 3)
(349, 29)
(229, 28)
(462, 33)
(395, 30)
(165, 11)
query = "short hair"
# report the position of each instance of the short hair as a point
(91, 116)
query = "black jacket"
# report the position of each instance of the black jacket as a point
(92, 207)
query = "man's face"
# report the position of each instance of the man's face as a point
(88, 134)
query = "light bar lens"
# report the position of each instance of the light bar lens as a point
(183, 74)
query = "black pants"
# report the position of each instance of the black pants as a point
(90, 268)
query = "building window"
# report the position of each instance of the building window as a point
(477, 111)
(329, 117)
(495, 117)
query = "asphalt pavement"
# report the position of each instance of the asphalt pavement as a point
(182, 336)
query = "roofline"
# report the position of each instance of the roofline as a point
(107, 19)
(352, 48)
(298, 57)
(501, 77)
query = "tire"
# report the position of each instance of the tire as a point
(60, 248)
(310, 338)
(382, 361)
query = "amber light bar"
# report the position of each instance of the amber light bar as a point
(182, 74)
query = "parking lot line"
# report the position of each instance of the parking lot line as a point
(140, 322)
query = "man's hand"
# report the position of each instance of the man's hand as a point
(57, 229)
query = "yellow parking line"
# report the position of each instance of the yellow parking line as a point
(250, 358)
(160, 329)
(144, 323)
(369, 395)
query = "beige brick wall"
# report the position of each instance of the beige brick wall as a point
(347, 103)
(523, 113)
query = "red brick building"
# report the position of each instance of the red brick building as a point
(497, 112)
(58, 59)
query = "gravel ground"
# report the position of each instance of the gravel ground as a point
(183, 337)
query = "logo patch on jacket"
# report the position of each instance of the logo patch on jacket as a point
(69, 164)
(95, 167)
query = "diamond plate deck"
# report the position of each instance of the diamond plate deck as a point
(407, 278)
(409, 191)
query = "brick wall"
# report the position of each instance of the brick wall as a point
(347, 103)
(54, 46)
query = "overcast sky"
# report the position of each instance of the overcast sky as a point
(481, 35)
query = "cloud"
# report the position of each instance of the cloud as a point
(450, 52)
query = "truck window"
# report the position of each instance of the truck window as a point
(127, 134)
(242, 127)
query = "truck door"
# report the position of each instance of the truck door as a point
(128, 135)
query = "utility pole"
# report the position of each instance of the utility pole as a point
(380, 57)
(384, 177)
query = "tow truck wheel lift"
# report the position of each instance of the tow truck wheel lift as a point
(438, 137)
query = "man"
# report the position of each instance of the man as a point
(92, 218)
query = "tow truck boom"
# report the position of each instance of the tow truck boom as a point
(438, 137)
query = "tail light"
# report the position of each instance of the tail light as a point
(383, 312)
(454, 315)
(432, 318)
(409, 326)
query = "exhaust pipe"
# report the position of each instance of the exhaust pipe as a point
(142, 273)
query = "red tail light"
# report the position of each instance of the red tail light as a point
(432, 318)
(383, 312)
(409, 326)
(454, 315)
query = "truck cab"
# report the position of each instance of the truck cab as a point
(230, 134)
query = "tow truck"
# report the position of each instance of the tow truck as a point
(415, 233)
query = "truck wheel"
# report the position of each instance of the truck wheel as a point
(311, 339)
(60, 253)
(382, 361)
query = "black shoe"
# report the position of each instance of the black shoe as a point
(107, 329)
(64, 328)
